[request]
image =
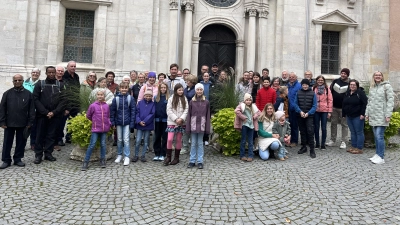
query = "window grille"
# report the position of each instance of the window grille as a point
(78, 36)
(330, 52)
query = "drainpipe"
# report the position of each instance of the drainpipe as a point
(307, 35)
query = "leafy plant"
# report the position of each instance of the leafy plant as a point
(223, 96)
(228, 137)
(391, 130)
(81, 128)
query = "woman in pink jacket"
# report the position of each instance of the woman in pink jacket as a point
(323, 112)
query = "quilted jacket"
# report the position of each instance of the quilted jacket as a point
(380, 104)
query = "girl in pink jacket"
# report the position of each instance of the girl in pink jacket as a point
(99, 114)
(323, 112)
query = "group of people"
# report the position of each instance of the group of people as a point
(176, 107)
(274, 110)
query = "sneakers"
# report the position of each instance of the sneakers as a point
(156, 158)
(342, 145)
(190, 165)
(119, 158)
(126, 161)
(330, 143)
(161, 158)
(317, 147)
(374, 157)
(206, 143)
(200, 165)
(183, 151)
(243, 159)
(143, 158)
(378, 160)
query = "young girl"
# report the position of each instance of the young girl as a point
(198, 124)
(246, 122)
(256, 85)
(99, 114)
(160, 139)
(282, 101)
(282, 128)
(144, 123)
(123, 117)
(177, 109)
(267, 142)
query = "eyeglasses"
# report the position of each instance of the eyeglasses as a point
(186, 73)
(308, 74)
(17, 80)
(92, 76)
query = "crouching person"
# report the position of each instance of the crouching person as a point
(282, 128)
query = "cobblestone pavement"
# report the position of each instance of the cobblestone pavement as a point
(334, 188)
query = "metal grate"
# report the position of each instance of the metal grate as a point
(330, 52)
(78, 36)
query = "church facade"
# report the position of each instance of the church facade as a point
(123, 35)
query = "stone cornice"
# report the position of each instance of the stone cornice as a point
(98, 2)
(336, 18)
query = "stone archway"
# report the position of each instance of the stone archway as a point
(217, 45)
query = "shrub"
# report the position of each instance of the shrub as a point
(228, 137)
(391, 130)
(81, 129)
(223, 96)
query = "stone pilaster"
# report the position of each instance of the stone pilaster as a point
(239, 59)
(195, 55)
(251, 40)
(187, 34)
(99, 37)
(173, 30)
(262, 42)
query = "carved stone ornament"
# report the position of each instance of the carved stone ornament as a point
(173, 4)
(263, 13)
(320, 2)
(350, 4)
(252, 12)
(188, 5)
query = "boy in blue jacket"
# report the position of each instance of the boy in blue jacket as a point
(123, 118)
(144, 123)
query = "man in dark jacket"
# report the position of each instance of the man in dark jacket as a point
(305, 104)
(49, 110)
(17, 113)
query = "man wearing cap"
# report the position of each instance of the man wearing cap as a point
(305, 104)
(214, 75)
(150, 85)
(338, 89)
(17, 113)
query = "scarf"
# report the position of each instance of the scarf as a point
(321, 89)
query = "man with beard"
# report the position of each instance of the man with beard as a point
(173, 78)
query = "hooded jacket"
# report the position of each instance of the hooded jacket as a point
(380, 104)
(99, 114)
(240, 117)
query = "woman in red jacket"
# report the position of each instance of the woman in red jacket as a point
(265, 95)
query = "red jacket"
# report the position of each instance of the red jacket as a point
(265, 96)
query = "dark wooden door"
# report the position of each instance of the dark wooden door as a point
(217, 45)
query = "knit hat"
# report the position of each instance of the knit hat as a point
(148, 92)
(279, 114)
(151, 75)
(347, 71)
(247, 96)
(305, 81)
(199, 85)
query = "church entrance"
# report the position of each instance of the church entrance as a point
(217, 45)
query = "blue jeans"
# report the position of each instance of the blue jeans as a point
(145, 134)
(197, 147)
(264, 154)
(357, 131)
(123, 135)
(379, 140)
(247, 135)
(93, 140)
(320, 118)
(294, 127)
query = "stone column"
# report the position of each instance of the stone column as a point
(99, 36)
(163, 33)
(195, 55)
(121, 38)
(187, 35)
(251, 40)
(173, 29)
(239, 59)
(350, 47)
(262, 42)
(56, 36)
(317, 47)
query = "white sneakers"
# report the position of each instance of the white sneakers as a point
(330, 143)
(378, 160)
(374, 157)
(206, 143)
(119, 158)
(183, 151)
(126, 161)
(342, 145)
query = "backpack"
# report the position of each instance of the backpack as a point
(129, 101)
(43, 85)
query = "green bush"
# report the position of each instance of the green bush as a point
(228, 137)
(223, 96)
(81, 129)
(391, 130)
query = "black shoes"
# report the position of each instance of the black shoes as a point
(200, 165)
(50, 158)
(143, 159)
(102, 163)
(135, 158)
(4, 165)
(191, 165)
(85, 165)
(115, 143)
(302, 150)
(61, 143)
(38, 160)
(68, 141)
(312, 153)
(20, 164)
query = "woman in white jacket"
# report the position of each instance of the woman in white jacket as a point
(266, 140)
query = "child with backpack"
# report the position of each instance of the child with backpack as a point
(177, 109)
(123, 118)
(160, 136)
(198, 124)
(99, 114)
(144, 123)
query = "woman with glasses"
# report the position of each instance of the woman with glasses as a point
(378, 112)
(88, 85)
